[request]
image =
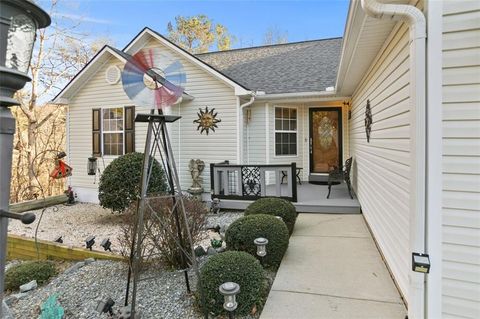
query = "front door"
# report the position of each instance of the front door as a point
(325, 139)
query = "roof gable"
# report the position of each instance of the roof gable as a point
(144, 37)
(89, 70)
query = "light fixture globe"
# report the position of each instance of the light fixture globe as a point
(229, 290)
(19, 21)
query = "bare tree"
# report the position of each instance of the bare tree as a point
(60, 52)
(274, 35)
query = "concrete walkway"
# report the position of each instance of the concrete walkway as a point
(332, 269)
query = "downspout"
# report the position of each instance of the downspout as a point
(417, 25)
(242, 106)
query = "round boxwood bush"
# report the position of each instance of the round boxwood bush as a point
(238, 267)
(120, 182)
(242, 232)
(25, 272)
(274, 206)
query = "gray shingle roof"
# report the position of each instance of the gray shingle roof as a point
(283, 68)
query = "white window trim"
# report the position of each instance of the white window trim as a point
(103, 131)
(283, 131)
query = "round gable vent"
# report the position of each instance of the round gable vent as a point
(112, 75)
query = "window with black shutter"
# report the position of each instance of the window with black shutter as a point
(113, 131)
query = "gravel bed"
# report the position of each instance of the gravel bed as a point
(80, 291)
(75, 223)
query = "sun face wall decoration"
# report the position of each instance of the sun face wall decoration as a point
(207, 120)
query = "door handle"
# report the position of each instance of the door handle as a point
(311, 148)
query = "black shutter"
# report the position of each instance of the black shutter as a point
(129, 129)
(96, 133)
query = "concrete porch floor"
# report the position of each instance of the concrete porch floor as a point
(332, 269)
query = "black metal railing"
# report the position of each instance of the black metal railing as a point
(250, 182)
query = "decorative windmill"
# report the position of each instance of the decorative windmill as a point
(151, 78)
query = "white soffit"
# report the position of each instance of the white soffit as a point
(364, 37)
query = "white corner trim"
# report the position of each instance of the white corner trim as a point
(434, 158)
(239, 90)
(239, 136)
(267, 133)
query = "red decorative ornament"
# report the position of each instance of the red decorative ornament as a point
(61, 169)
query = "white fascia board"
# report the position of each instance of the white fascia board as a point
(70, 89)
(355, 21)
(239, 90)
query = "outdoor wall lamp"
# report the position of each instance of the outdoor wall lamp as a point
(421, 262)
(58, 239)
(106, 244)
(89, 242)
(229, 291)
(19, 21)
(92, 166)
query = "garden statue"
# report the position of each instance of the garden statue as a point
(196, 167)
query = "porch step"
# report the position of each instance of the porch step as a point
(311, 199)
(301, 207)
(323, 178)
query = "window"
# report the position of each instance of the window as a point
(285, 131)
(112, 120)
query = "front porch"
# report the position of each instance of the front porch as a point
(311, 198)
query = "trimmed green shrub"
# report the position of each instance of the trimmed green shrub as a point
(27, 271)
(277, 207)
(120, 182)
(242, 232)
(238, 267)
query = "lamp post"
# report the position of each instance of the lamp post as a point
(229, 290)
(19, 21)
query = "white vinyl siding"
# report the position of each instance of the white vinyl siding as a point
(187, 142)
(461, 160)
(254, 135)
(381, 168)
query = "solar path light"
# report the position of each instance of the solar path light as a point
(261, 244)
(89, 242)
(106, 244)
(229, 291)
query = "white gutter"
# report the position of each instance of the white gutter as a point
(241, 122)
(417, 24)
(295, 95)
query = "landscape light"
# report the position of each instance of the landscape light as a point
(106, 306)
(106, 244)
(59, 239)
(89, 242)
(229, 290)
(261, 244)
(215, 206)
(279, 218)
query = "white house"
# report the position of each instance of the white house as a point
(417, 178)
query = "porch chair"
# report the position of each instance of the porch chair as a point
(340, 175)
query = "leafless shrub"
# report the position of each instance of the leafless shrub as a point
(160, 240)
